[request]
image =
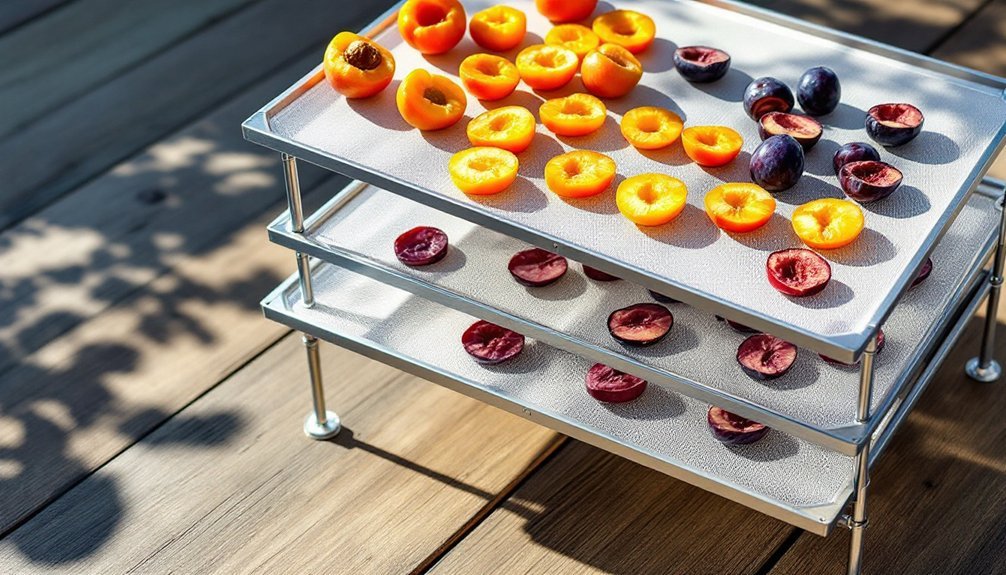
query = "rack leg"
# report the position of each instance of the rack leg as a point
(320, 423)
(857, 522)
(985, 368)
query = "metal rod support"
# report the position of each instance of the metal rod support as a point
(985, 368)
(304, 279)
(857, 522)
(293, 198)
(866, 381)
(320, 423)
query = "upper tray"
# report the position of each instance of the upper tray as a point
(689, 259)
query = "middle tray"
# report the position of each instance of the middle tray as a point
(815, 400)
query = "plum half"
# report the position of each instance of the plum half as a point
(766, 95)
(869, 181)
(777, 163)
(797, 272)
(640, 324)
(701, 64)
(598, 275)
(537, 267)
(662, 298)
(421, 246)
(894, 124)
(833, 361)
(819, 91)
(491, 344)
(613, 386)
(923, 274)
(764, 357)
(733, 429)
(854, 152)
(804, 129)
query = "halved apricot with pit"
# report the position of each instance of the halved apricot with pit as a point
(651, 199)
(488, 77)
(432, 26)
(483, 171)
(828, 223)
(739, 207)
(711, 146)
(575, 115)
(627, 28)
(499, 28)
(651, 128)
(610, 71)
(547, 67)
(577, 38)
(430, 102)
(357, 67)
(510, 128)
(579, 174)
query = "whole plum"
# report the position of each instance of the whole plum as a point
(777, 164)
(819, 91)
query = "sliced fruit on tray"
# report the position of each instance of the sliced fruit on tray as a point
(537, 267)
(651, 199)
(766, 95)
(565, 10)
(576, 37)
(509, 128)
(797, 272)
(498, 28)
(491, 344)
(488, 77)
(597, 275)
(733, 429)
(613, 386)
(640, 324)
(711, 146)
(880, 345)
(701, 64)
(430, 102)
(819, 91)
(894, 124)
(357, 67)
(804, 129)
(739, 207)
(777, 163)
(575, 115)
(923, 274)
(764, 357)
(547, 67)
(869, 181)
(629, 29)
(651, 127)
(854, 152)
(579, 174)
(421, 246)
(610, 71)
(432, 26)
(828, 223)
(483, 171)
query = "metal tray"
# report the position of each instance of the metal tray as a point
(690, 259)
(815, 401)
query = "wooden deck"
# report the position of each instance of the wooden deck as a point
(150, 418)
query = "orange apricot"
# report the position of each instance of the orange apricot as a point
(579, 174)
(488, 77)
(577, 38)
(575, 115)
(739, 206)
(651, 199)
(651, 127)
(610, 71)
(483, 171)
(499, 28)
(510, 128)
(430, 102)
(547, 67)
(566, 10)
(627, 28)
(711, 145)
(828, 223)
(432, 26)
(357, 67)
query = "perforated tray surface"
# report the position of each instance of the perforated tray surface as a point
(703, 266)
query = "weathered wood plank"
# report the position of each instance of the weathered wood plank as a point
(587, 511)
(230, 485)
(16, 12)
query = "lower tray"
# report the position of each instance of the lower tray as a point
(785, 477)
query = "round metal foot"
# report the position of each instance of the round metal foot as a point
(315, 430)
(988, 374)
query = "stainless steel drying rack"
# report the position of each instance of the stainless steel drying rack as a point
(353, 295)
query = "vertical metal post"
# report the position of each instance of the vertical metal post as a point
(857, 523)
(985, 368)
(295, 205)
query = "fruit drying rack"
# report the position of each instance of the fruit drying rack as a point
(829, 424)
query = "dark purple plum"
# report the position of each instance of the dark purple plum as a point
(598, 275)
(741, 328)
(797, 272)
(640, 324)
(854, 152)
(777, 163)
(763, 356)
(869, 181)
(766, 95)
(421, 246)
(701, 64)
(613, 386)
(924, 272)
(819, 91)
(537, 267)
(490, 344)
(894, 124)
(733, 429)
(880, 346)
(662, 298)
(803, 129)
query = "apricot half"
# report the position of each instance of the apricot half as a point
(356, 66)
(650, 127)
(739, 207)
(499, 28)
(575, 115)
(547, 67)
(432, 26)
(711, 146)
(483, 171)
(651, 199)
(577, 38)
(430, 102)
(566, 10)
(510, 128)
(610, 71)
(828, 223)
(488, 77)
(627, 28)
(579, 174)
